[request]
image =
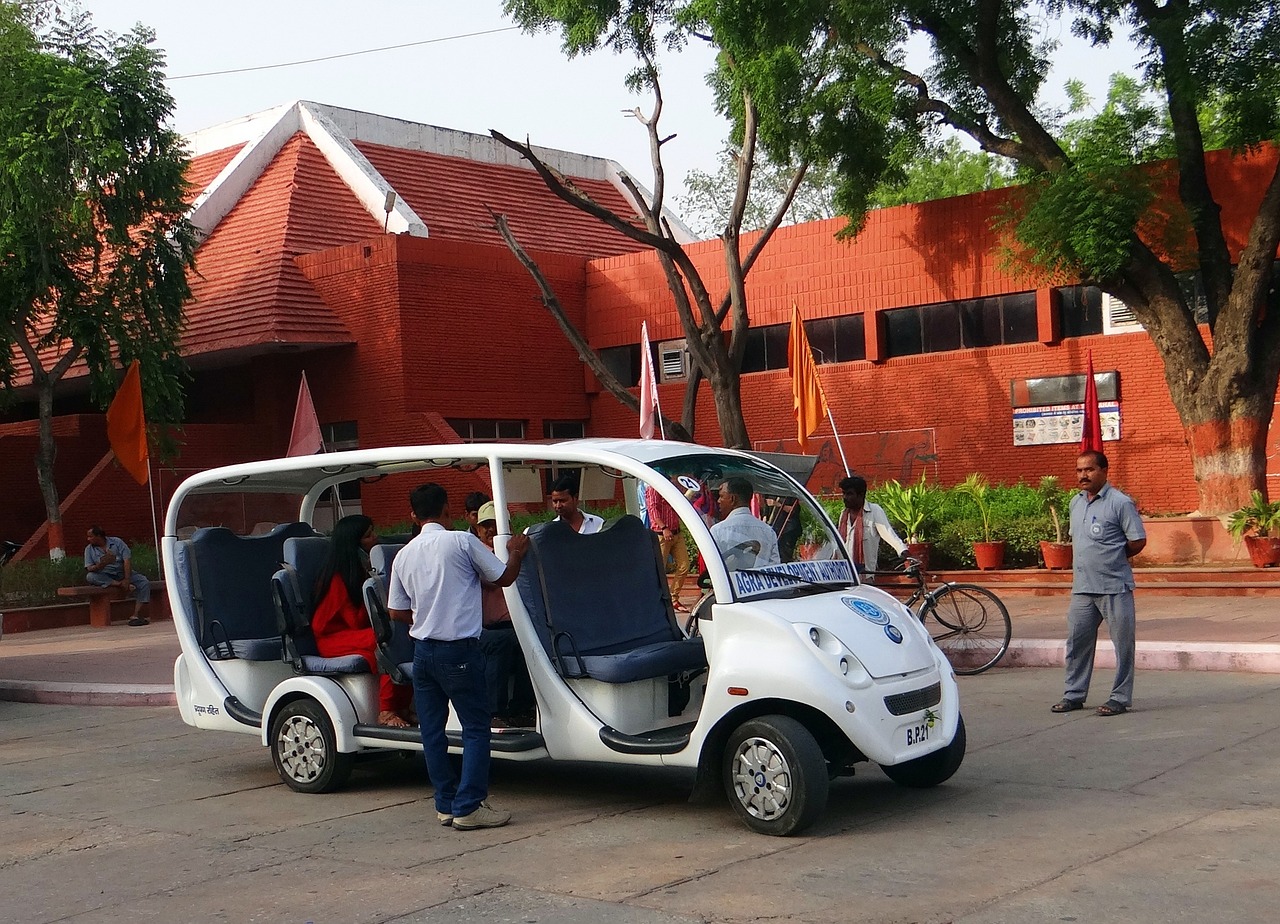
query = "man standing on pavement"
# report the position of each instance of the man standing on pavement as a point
(743, 540)
(1106, 531)
(436, 580)
(109, 563)
(564, 501)
(863, 524)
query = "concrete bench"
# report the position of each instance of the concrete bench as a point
(101, 598)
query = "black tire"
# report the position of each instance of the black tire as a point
(304, 749)
(775, 775)
(970, 625)
(932, 769)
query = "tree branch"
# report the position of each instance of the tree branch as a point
(589, 356)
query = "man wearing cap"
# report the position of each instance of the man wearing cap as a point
(506, 675)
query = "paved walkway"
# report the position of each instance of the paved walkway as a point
(125, 666)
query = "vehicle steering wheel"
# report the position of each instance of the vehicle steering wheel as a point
(691, 621)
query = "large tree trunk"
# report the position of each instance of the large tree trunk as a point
(46, 454)
(728, 399)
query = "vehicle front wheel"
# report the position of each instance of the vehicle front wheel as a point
(304, 748)
(775, 775)
(932, 769)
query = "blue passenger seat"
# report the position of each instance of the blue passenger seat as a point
(601, 605)
(293, 590)
(225, 580)
(395, 647)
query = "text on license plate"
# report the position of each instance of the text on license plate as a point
(918, 734)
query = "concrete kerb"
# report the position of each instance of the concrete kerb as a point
(87, 694)
(1247, 657)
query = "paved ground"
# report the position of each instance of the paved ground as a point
(1166, 814)
(122, 665)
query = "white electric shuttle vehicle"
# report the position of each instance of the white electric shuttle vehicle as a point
(780, 678)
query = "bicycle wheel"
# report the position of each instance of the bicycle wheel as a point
(970, 625)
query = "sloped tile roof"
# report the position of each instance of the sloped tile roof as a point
(205, 167)
(247, 291)
(453, 196)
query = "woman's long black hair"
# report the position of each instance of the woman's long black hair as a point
(346, 559)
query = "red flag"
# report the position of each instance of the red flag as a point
(305, 438)
(649, 408)
(1091, 429)
(127, 427)
(807, 399)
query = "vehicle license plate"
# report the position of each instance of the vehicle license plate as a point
(918, 734)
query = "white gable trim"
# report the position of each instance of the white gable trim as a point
(263, 135)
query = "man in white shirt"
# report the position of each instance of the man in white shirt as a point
(564, 501)
(863, 524)
(743, 540)
(435, 584)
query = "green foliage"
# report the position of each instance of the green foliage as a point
(940, 171)
(1257, 518)
(35, 582)
(912, 508)
(1057, 502)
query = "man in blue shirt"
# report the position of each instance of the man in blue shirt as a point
(1106, 531)
(109, 563)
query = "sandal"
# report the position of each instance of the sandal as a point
(391, 720)
(1067, 705)
(1111, 707)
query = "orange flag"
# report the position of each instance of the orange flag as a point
(305, 438)
(1091, 429)
(127, 427)
(808, 401)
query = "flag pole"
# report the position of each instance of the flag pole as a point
(836, 433)
(662, 429)
(151, 496)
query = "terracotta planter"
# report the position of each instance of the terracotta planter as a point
(920, 552)
(1056, 555)
(989, 556)
(1263, 550)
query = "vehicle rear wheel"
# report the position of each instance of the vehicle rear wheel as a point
(932, 769)
(775, 775)
(304, 748)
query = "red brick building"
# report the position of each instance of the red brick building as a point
(416, 325)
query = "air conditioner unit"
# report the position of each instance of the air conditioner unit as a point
(673, 360)
(1117, 317)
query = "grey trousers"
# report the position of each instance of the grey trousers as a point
(141, 586)
(1084, 616)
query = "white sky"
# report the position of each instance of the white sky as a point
(518, 84)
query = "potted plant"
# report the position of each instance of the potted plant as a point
(1254, 523)
(987, 554)
(909, 508)
(1057, 503)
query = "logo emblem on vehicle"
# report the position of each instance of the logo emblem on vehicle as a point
(894, 633)
(868, 611)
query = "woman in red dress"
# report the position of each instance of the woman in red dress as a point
(340, 622)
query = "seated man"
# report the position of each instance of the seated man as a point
(744, 541)
(564, 501)
(108, 563)
(506, 675)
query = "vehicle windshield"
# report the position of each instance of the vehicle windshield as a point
(771, 535)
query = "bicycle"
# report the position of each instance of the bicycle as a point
(970, 624)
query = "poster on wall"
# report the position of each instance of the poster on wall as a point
(1061, 423)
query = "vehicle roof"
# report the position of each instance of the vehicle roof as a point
(298, 474)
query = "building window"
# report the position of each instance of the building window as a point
(564, 429)
(487, 431)
(623, 362)
(837, 340)
(766, 348)
(1080, 310)
(942, 327)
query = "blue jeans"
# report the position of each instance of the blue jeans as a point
(444, 673)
